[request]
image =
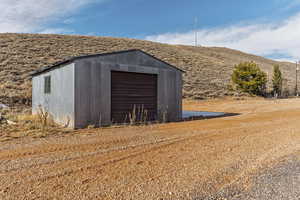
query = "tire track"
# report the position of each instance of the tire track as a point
(75, 147)
(95, 153)
(192, 136)
(68, 172)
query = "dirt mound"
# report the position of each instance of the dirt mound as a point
(208, 69)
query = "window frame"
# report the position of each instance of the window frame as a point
(47, 84)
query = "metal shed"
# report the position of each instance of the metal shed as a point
(102, 89)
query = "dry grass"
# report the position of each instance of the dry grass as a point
(138, 115)
(27, 125)
(208, 69)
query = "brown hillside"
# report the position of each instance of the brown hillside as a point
(208, 70)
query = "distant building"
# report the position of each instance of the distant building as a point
(108, 88)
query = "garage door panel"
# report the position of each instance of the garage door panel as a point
(133, 90)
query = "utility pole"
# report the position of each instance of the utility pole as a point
(267, 85)
(196, 31)
(297, 69)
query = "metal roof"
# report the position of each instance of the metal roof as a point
(72, 59)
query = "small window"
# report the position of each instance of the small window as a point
(47, 85)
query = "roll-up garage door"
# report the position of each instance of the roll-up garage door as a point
(133, 97)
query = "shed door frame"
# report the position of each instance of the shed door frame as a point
(142, 73)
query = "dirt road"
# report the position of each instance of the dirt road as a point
(187, 160)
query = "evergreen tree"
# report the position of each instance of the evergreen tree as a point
(277, 80)
(249, 78)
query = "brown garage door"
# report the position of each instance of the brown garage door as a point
(133, 93)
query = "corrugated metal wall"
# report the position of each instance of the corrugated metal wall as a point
(60, 101)
(93, 100)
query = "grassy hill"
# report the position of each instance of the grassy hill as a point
(208, 69)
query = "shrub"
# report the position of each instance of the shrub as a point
(248, 78)
(277, 80)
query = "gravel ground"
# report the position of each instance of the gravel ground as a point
(166, 161)
(281, 182)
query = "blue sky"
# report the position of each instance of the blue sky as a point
(270, 28)
(140, 18)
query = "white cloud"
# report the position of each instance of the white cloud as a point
(56, 31)
(69, 21)
(286, 60)
(289, 4)
(281, 38)
(34, 15)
